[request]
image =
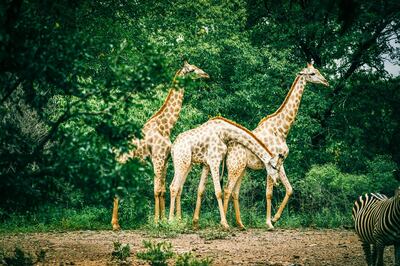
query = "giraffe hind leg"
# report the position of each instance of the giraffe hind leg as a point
(182, 165)
(236, 205)
(200, 192)
(114, 220)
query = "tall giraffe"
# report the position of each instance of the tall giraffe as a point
(156, 141)
(272, 130)
(207, 144)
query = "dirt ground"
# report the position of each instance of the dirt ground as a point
(251, 247)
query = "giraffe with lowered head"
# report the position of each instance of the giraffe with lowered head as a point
(156, 141)
(207, 145)
(272, 130)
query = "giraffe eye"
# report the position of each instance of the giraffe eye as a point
(312, 74)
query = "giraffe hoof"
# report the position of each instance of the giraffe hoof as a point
(196, 225)
(242, 227)
(116, 227)
(225, 226)
(270, 227)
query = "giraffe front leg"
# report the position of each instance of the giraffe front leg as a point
(157, 193)
(289, 192)
(114, 219)
(270, 189)
(163, 190)
(200, 192)
(218, 194)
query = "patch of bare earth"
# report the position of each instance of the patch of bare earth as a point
(251, 247)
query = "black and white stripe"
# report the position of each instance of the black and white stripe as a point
(377, 223)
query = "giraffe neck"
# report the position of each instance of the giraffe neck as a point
(284, 117)
(165, 118)
(240, 134)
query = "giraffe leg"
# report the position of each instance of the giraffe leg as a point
(179, 194)
(182, 163)
(158, 185)
(270, 188)
(157, 193)
(218, 193)
(163, 190)
(200, 192)
(227, 193)
(235, 196)
(114, 220)
(289, 192)
(236, 164)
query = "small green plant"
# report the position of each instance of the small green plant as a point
(214, 234)
(121, 252)
(20, 257)
(157, 254)
(166, 229)
(188, 259)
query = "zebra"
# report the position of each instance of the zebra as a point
(377, 223)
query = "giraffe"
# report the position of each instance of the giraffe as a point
(207, 145)
(156, 142)
(272, 130)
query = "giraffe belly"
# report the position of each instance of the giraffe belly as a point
(253, 162)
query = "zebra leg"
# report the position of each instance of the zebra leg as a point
(379, 249)
(397, 255)
(367, 252)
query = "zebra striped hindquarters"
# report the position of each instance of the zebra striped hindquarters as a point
(377, 223)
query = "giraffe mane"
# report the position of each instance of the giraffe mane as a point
(283, 104)
(244, 129)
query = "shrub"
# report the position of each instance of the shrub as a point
(157, 254)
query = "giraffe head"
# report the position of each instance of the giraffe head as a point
(312, 75)
(188, 69)
(273, 167)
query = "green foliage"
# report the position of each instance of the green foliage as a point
(214, 233)
(156, 254)
(166, 229)
(121, 252)
(188, 259)
(327, 188)
(55, 218)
